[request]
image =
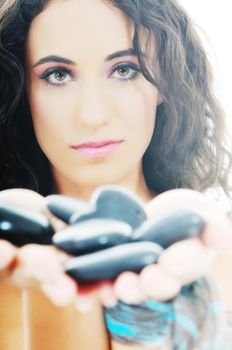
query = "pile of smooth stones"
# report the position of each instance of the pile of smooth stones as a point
(107, 235)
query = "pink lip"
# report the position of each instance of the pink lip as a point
(97, 149)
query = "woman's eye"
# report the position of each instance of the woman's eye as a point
(56, 76)
(126, 71)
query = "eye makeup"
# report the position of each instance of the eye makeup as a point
(59, 76)
(46, 77)
(135, 70)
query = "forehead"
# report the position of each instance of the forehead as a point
(80, 25)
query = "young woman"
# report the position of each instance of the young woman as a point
(98, 92)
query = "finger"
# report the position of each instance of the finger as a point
(106, 294)
(127, 288)
(62, 291)
(158, 284)
(8, 254)
(37, 264)
(187, 260)
(221, 273)
(217, 232)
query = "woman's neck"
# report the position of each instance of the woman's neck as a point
(134, 182)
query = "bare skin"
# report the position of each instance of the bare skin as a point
(68, 327)
(50, 326)
(121, 108)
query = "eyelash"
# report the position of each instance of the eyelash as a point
(123, 65)
(56, 70)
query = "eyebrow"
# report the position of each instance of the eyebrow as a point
(52, 58)
(122, 53)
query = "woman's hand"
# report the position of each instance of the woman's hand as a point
(39, 268)
(181, 263)
(35, 265)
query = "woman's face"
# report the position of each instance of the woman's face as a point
(92, 109)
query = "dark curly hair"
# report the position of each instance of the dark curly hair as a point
(187, 148)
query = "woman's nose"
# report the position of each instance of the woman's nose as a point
(92, 107)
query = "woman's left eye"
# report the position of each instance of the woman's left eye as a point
(126, 71)
(56, 76)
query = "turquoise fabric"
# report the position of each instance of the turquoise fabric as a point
(194, 320)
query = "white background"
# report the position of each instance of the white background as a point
(213, 19)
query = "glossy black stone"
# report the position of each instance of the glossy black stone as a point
(92, 235)
(177, 226)
(109, 263)
(116, 203)
(21, 226)
(64, 207)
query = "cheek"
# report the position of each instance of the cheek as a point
(47, 112)
(139, 110)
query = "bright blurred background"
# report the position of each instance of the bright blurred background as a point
(214, 24)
